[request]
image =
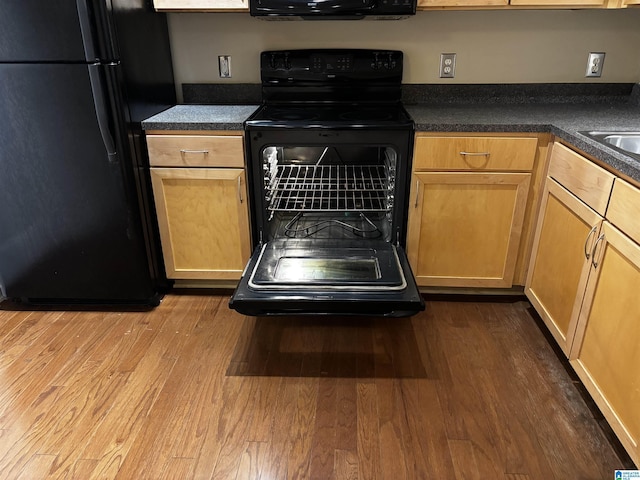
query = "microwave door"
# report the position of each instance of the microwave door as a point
(291, 277)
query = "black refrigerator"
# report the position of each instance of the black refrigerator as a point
(77, 224)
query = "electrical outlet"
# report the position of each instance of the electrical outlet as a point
(224, 66)
(447, 65)
(595, 64)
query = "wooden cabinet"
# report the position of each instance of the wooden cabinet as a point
(467, 208)
(516, 4)
(202, 5)
(425, 4)
(474, 153)
(624, 209)
(196, 150)
(606, 353)
(573, 204)
(560, 3)
(583, 281)
(199, 186)
(243, 5)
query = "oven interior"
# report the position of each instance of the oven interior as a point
(330, 192)
(328, 217)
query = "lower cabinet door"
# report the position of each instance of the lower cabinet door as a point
(606, 351)
(203, 220)
(464, 228)
(559, 267)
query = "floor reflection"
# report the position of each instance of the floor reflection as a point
(327, 347)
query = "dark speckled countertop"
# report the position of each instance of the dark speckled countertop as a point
(200, 117)
(563, 110)
(563, 120)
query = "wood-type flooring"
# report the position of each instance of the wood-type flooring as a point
(191, 389)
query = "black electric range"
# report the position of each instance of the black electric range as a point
(329, 162)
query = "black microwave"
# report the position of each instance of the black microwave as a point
(332, 9)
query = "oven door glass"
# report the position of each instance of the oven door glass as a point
(292, 278)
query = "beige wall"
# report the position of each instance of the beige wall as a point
(496, 46)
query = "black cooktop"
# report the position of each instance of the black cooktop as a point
(331, 88)
(330, 116)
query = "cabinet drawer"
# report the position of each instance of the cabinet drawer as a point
(195, 150)
(624, 209)
(474, 153)
(586, 180)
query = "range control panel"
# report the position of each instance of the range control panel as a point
(331, 76)
(326, 64)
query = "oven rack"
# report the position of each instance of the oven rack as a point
(328, 188)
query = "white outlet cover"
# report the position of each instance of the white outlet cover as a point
(595, 63)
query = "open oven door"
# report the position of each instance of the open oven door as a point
(327, 278)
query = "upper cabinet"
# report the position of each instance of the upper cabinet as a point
(465, 4)
(243, 5)
(424, 4)
(202, 5)
(562, 3)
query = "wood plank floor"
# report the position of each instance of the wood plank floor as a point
(193, 390)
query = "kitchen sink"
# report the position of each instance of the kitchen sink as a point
(626, 142)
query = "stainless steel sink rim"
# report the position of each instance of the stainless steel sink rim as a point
(625, 142)
(628, 143)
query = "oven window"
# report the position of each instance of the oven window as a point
(343, 191)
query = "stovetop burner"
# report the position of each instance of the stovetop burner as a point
(368, 114)
(292, 114)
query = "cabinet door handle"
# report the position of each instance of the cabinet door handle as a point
(415, 205)
(240, 189)
(593, 251)
(183, 152)
(587, 254)
(475, 154)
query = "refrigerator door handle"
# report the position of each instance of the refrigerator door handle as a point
(86, 30)
(102, 115)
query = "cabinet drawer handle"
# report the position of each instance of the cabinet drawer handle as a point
(475, 154)
(587, 254)
(240, 189)
(415, 205)
(593, 251)
(203, 152)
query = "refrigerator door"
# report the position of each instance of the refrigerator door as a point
(46, 31)
(69, 219)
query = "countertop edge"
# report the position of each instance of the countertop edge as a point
(147, 126)
(232, 117)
